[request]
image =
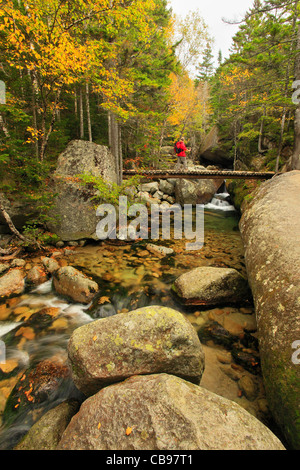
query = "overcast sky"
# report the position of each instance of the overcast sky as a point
(212, 11)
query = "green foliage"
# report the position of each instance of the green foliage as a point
(251, 91)
(108, 192)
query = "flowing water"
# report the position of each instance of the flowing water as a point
(35, 327)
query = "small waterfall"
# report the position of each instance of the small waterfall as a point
(221, 201)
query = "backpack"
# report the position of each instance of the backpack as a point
(177, 150)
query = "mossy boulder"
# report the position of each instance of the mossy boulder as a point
(270, 227)
(145, 341)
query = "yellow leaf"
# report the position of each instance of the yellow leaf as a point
(128, 431)
(99, 425)
(95, 338)
(103, 299)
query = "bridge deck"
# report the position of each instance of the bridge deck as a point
(211, 174)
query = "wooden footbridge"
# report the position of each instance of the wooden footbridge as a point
(199, 174)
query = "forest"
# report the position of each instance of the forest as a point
(131, 75)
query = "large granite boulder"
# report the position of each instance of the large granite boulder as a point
(148, 340)
(81, 157)
(73, 216)
(164, 412)
(212, 149)
(211, 286)
(270, 228)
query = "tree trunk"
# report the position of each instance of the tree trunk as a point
(295, 161)
(34, 94)
(87, 95)
(3, 126)
(10, 222)
(75, 103)
(46, 134)
(120, 156)
(260, 149)
(81, 115)
(114, 141)
(283, 119)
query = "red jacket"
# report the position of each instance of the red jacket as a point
(181, 146)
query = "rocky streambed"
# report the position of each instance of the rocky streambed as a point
(128, 294)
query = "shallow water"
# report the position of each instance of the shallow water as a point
(129, 277)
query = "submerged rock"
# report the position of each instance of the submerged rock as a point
(148, 340)
(164, 412)
(71, 283)
(46, 433)
(211, 286)
(270, 228)
(159, 250)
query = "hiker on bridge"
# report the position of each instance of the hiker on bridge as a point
(180, 150)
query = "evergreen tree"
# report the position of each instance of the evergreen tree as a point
(206, 67)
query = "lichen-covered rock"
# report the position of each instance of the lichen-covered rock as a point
(82, 156)
(211, 286)
(70, 282)
(12, 283)
(164, 412)
(46, 433)
(73, 216)
(270, 228)
(145, 341)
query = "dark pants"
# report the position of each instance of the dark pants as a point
(181, 161)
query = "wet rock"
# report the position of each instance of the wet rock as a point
(249, 387)
(12, 283)
(148, 340)
(247, 358)
(50, 264)
(236, 323)
(18, 263)
(270, 228)
(159, 250)
(3, 268)
(46, 433)
(211, 286)
(164, 412)
(38, 386)
(36, 276)
(216, 332)
(73, 284)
